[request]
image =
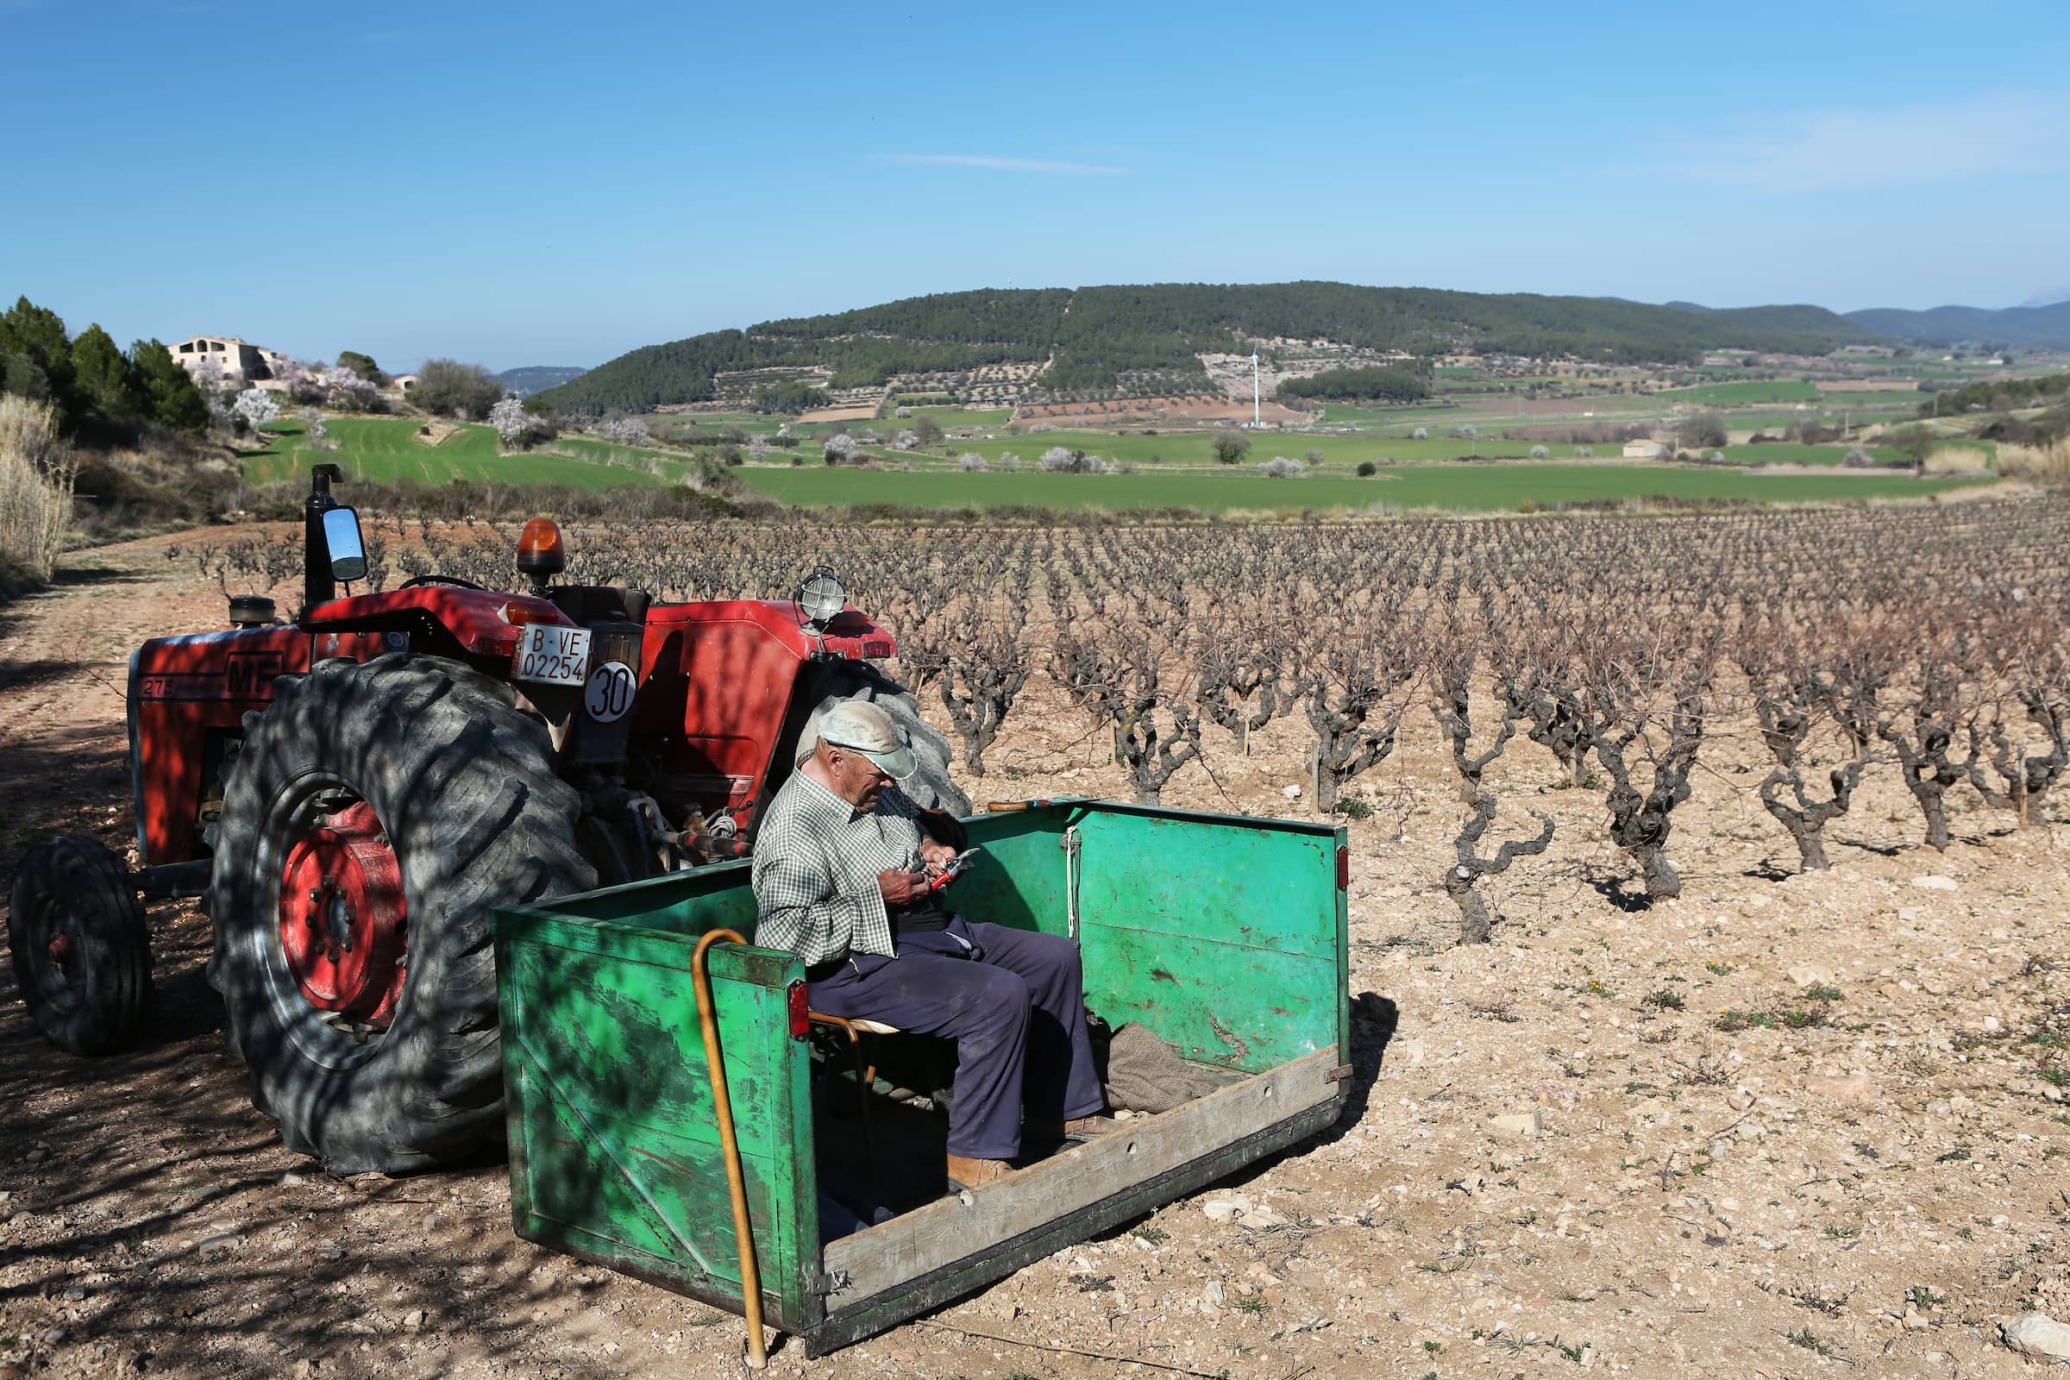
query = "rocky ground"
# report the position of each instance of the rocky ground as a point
(1784, 1126)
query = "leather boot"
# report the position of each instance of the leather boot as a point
(967, 1173)
(1077, 1128)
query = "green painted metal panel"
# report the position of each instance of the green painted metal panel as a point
(1018, 879)
(1224, 935)
(615, 1151)
(707, 898)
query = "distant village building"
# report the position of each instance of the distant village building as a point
(238, 360)
(1645, 450)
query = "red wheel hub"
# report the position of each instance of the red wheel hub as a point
(342, 917)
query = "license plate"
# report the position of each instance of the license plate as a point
(551, 655)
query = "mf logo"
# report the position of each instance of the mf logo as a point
(249, 675)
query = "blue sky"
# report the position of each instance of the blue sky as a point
(523, 183)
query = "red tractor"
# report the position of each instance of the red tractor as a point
(351, 793)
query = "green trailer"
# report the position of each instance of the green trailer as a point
(1223, 935)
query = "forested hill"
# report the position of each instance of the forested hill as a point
(2032, 327)
(1150, 336)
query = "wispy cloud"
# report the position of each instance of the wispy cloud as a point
(1847, 149)
(999, 164)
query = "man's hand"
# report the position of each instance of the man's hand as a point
(936, 855)
(901, 888)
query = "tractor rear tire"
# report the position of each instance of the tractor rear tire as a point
(463, 787)
(929, 787)
(82, 951)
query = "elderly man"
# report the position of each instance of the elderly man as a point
(843, 861)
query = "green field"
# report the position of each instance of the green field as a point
(1188, 449)
(1744, 393)
(1889, 400)
(1463, 488)
(1790, 453)
(947, 418)
(385, 449)
(1170, 471)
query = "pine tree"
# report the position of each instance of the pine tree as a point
(33, 342)
(106, 382)
(174, 400)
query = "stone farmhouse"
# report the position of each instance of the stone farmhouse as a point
(239, 361)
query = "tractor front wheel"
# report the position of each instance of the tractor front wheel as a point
(82, 952)
(377, 812)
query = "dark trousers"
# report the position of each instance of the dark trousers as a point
(1016, 1013)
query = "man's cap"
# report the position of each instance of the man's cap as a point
(860, 726)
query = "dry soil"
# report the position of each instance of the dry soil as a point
(1554, 1157)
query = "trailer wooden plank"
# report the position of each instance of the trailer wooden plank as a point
(882, 1258)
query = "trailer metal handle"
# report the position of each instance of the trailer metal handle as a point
(1071, 843)
(736, 1187)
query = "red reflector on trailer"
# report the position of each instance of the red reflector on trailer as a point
(794, 1003)
(1343, 869)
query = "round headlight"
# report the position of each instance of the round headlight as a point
(821, 597)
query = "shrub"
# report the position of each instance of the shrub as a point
(1421, 433)
(1584, 452)
(1367, 469)
(446, 387)
(254, 407)
(1539, 453)
(1230, 445)
(972, 462)
(1280, 467)
(351, 393)
(1705, 430)
(1859, 459)
(513, 424)
(36, 476)
(625, 431)
(313, 430)
(2042, 464)
(1008, 461)
(1057, 460)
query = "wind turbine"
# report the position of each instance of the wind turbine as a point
(1257, 419)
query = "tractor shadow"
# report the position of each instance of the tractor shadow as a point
(144, 1187)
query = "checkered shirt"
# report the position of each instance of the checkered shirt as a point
(816, 863)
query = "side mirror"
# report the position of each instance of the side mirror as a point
(348, 552)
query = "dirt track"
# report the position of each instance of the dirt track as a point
(1869, 1195)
